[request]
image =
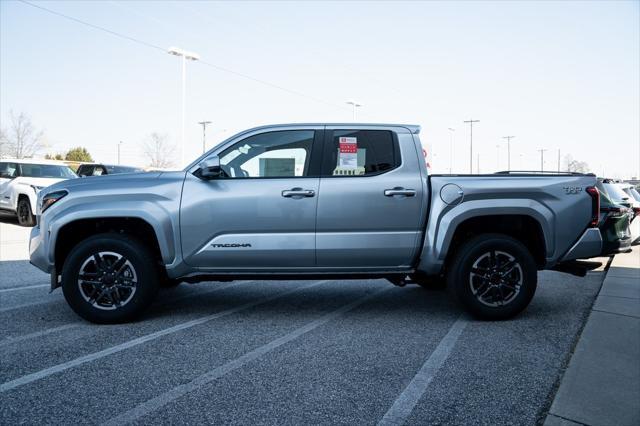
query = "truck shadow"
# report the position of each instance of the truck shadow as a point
(395, 302)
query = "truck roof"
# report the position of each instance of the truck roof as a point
(413, 128)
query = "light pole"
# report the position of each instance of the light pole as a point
(497, 157)
(119, 143)
(508, 138)
(354, 105)
(204, 132)
(542, 159)
(191, 56)
(471, 143)
(451, 130)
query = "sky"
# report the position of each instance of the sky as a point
(558, 75)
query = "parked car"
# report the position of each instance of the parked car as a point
(616, 192)
(21, 180)
(614, 226)
(309, 202)
(635, 223)
(105, 169)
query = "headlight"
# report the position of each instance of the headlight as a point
(50, 199)
(37, 188)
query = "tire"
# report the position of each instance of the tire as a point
(430, 283)
(123, 276)
(494, 286)
(24, 213)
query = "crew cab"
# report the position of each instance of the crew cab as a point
(344, 201)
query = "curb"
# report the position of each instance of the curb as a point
(601, 385)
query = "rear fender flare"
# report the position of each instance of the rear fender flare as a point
(441, 229)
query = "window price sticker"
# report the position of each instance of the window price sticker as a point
(348, 153)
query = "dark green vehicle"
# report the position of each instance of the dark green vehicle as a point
(614, 224)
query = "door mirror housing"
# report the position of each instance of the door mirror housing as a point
(210, 168)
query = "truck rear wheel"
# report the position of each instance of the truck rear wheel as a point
(109, 278)
(493, 276)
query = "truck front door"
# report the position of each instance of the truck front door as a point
(260, 214)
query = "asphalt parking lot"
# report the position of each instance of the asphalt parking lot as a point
(294, 352)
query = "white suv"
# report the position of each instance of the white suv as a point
(21, 180)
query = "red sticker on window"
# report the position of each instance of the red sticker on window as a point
(348, 145)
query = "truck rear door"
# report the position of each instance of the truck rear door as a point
(370, 203)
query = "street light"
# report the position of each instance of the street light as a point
(119, 143)
(451, 130)
(471, 121)
(355, 105)
(542, 159)
(204, 131)
(508, 138)
(191, 56)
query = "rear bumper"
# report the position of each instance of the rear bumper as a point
(588, 245)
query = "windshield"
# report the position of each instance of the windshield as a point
(616, 193)
(46, 171)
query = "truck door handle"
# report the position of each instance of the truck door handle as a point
(298, 193)
(399, 191)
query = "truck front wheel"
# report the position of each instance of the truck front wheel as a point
(493, 276)
(109, 278)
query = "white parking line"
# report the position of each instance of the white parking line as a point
(4, 290)
(29, 378)
(161, 400)
(26, 305)
(406, 402)
(12, 340)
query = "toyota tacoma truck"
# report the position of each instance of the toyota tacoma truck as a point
(317, 201)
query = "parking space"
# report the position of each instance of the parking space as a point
(321, 352)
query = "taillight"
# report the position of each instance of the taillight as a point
(615, 211)
(636, 211)
(595, 205)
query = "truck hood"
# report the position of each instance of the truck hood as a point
(39, 182)
(110, 182)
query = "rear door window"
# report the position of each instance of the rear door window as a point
(360, 153)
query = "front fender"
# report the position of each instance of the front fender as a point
(152, 212)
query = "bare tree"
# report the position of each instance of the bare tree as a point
(23, 139)
(4, 143)
(158, 151)
(572, 165)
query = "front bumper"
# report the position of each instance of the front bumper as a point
(38, 250)
(588, 245)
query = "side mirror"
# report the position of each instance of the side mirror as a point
(210, 168)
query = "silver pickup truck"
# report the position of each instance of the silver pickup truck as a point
(308, 202)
